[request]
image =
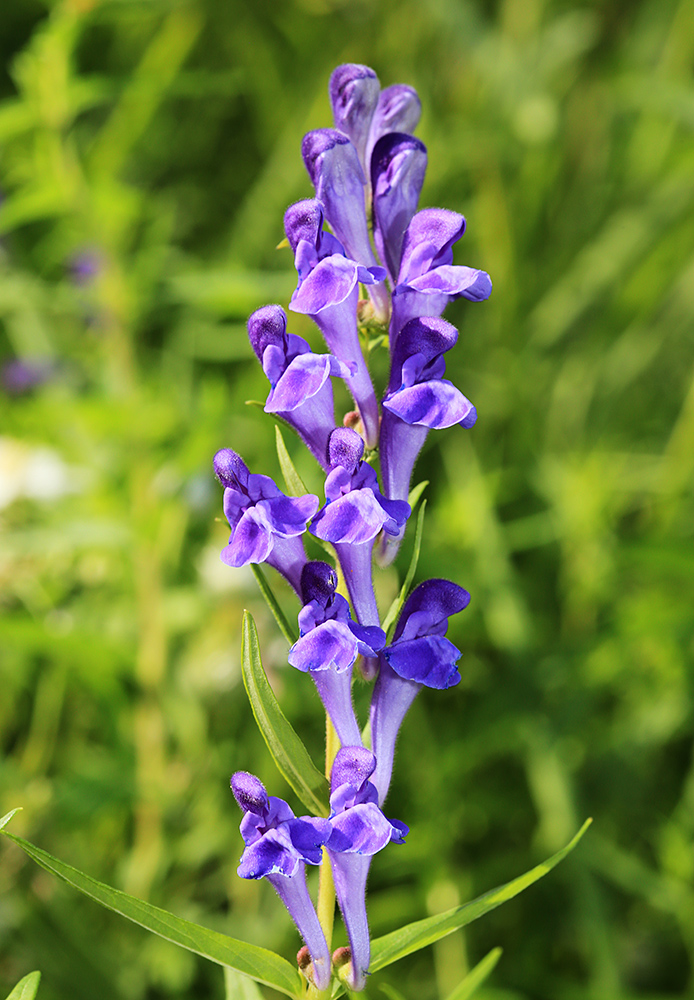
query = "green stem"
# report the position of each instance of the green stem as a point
(326, 886)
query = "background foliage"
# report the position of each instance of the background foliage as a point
(148, 149)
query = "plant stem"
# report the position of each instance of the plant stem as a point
(326, 886)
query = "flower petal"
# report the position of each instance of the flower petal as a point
(429, 660)
(435, 404)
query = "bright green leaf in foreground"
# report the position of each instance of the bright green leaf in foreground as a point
(288, 751)
(476, 976)
(258, 963)
(8, 816)
(26, 988)
(391, 947)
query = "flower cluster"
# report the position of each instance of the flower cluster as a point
(368, 168)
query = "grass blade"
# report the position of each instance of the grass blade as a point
(292, 480)
(476, 976)
(288, 751)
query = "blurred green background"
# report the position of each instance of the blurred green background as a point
(148, 149)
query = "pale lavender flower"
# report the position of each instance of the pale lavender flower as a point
(398, 165)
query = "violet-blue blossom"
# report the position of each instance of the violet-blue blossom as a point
(301, 391)
(328, 291)
(418, 656)
(266, 525)
(398, 165)
(428, 279)
(364, 114)
(359, 830)
(329, 644)
(418, 399)
(353, 515)
(278, 847)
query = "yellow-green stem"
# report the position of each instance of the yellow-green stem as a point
(326, 886)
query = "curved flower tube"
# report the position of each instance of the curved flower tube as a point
(336, 173)
(329, 644)
(354, 513)
(359, 830)
(301, 391)
(428, 279)
(354, 95)
(418, 656)
(418, 399)
(266, 526)
(278, 847)
(328, 291)
(398, 165)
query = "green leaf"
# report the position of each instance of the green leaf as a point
(258, 963)
(290, 634)
(396, 607)
(416, 492)
(289, 753)
(293, 481)
(476, 976)
(389, 949)
(238, 987)
(8, 816)
(26, 988)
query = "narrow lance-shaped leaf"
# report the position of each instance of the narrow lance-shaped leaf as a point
(258, 963)
(26, 988)
(412, 937)
(396, 606)
(8, 816)
(289, 753)
(476, 976)
(290, 634)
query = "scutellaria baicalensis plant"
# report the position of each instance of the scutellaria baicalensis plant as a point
(368, 173)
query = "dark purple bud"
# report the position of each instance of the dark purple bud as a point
(267, 325)
(345, 448)
(318, 582)
(249, 792)
(230, 469)
(428, 608)
(303, 221)
(353, 766)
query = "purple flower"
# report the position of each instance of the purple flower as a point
(301, 390)
(19, 376)
(265, 524)
(419, 655)
(359, 830)
(329, 644)
(278, 847)
(398, 165)
(328, 291)
(428, 279)
(418, 398)
(365, 115)
(354, 513)
(354, 91)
